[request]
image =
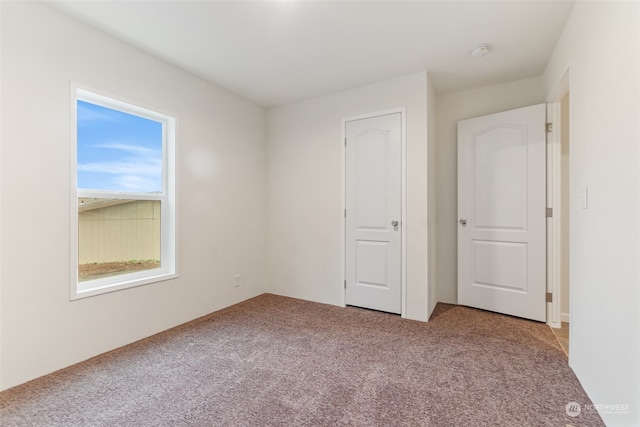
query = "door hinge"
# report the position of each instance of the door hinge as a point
(549, 297)
(345, 284)
(549, 127)
(345, 142)
(549, 212)
(345, 213)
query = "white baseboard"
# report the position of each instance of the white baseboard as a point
(564, 317)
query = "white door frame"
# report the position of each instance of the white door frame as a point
(403, 195)
(554, 224)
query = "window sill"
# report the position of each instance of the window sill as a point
(118, 283)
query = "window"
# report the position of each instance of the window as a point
(123, 209)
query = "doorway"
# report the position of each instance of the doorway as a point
(559, 190)
(374, 199)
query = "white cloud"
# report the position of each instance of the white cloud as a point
(136, 183)
(136, 168)
(131, 148)
(148, 167)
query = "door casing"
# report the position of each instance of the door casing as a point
(554, 224)
(403, 195)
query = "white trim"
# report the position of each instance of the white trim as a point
(98, 194)
(98, 97)
(343, 206)
(73, 191)
(124, 281)
(404, 213)
(554, 224)
(561, 89)
(403, 255)
(167, 199)
(564, 317)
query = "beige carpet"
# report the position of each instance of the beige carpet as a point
(275, 361)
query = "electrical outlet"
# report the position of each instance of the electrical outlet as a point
(236, 281)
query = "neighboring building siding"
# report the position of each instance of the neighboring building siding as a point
(120, 232)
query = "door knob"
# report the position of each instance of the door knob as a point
(395, 222)
(463, 222)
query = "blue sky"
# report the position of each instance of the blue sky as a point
(118, 151)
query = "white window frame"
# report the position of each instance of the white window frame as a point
(167, 199)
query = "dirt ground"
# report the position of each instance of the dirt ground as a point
(105, 269)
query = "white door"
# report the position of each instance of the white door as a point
(501, 212)
(373, 202)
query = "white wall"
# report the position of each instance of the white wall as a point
(305, 190)
(601, 44)
(221, 194)
(451, 108)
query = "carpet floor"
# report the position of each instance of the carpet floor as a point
(276, 361)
